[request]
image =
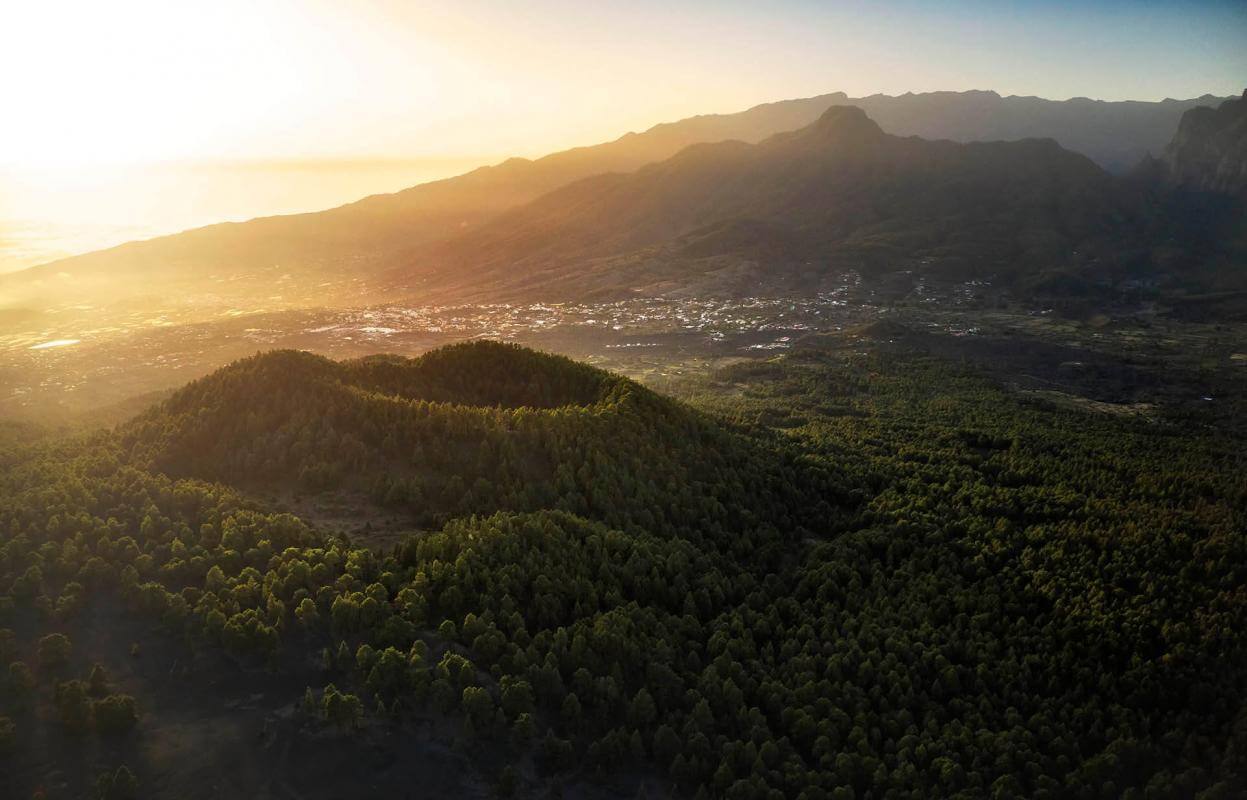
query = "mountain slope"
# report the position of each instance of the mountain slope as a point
(1200, 187)
(793, 211)
(1209, 151)
(1116, 135)
(330, 257)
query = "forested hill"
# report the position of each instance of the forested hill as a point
(927, 586)
(481, 427)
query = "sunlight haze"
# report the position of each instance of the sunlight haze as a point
(139, 80)
(606, 399)
(137, 118)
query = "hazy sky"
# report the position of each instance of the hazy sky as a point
(89, 82)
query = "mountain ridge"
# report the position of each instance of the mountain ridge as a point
(334, 253)
(1209, 151)
(841, 192)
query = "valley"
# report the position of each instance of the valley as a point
(658, 340)
(818, 221)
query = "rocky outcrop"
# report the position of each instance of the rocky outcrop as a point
(1209, 151)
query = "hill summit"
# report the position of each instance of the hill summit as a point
(476, 428)
(846, 124)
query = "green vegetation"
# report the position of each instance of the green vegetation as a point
(837, 574)
(472, 429)
(118, 785)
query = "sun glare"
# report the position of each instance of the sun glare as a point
(142, 81)
(810, 399)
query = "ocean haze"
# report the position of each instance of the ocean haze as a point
(48, 214)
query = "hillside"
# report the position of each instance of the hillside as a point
(478, 428)
(992, 597)
(1209, 151)
(793, 212)
(1201, 182)
(331, 257)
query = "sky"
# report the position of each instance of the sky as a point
(84, 82)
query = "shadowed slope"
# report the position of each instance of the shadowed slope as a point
(1209, 151)
(330, 257)
(837, 194)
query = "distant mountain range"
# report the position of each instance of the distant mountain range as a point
(838, 192)
(792, 211)
(1116, 135)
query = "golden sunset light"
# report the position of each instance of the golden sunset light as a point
(587, 399)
